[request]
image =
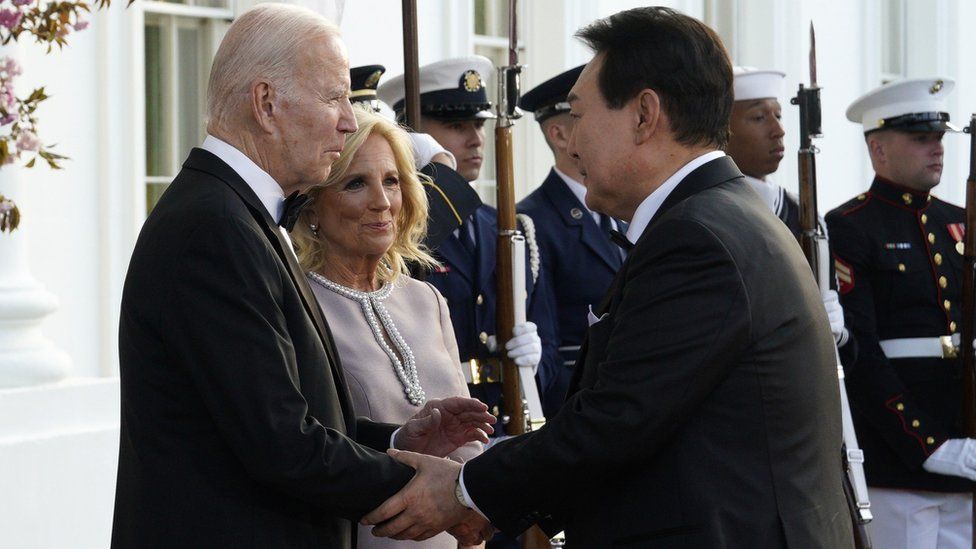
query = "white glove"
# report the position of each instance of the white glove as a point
(956, 457)
(426, 149)
(525, 347)
(835, 313)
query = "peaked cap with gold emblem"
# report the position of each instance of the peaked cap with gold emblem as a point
(452, 89)
(910, 105)
(363, 82)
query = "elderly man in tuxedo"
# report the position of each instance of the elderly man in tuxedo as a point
(237, 428)
(702, 412)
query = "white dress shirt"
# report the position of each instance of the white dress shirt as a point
(268, 190)
(645, 212)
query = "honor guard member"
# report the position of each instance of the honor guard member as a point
(574, 241)
(756, 145)
(454, 108)
(898, 255)
(362, 85)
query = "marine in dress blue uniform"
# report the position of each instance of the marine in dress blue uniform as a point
(578, 258)
(897, 251)
(453, 97)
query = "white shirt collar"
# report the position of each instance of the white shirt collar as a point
(645, 212)
(579, 191)
(264, 186)
(771, 193)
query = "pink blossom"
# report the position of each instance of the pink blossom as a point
(8, 101)
(8, 119)
(28, 141)
(19, 3)
(10, 18)
(10, 66)
(81, 25)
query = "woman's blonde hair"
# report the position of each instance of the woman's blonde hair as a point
(410, 223)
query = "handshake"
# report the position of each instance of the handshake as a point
(433, 502)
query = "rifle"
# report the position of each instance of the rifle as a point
(815, 248)
(411, 66)
(510, 264)
(967, 329)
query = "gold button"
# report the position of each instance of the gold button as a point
(931, 238)
(947, 304)
(861, 196)
(925, 218)
(943, 282)
(901, 267)
(480, 300)
(952, 326)
(938, 259)
(907, 198)
(483, 337)
(899, 406)
(930, 441)
(916, 423)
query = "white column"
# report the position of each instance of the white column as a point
(26, 357)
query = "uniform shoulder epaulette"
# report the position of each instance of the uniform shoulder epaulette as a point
(853, 204)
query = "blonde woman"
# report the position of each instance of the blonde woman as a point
(394, 333)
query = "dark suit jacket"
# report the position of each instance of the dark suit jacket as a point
(237, 430)
(703, 413)
(578, 263)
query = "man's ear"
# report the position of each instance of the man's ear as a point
(648, 113)
(264, 105)
(876, 147)
(558, 135)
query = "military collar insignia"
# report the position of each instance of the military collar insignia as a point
(576, 213)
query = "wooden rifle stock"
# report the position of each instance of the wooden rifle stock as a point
(967, 328)
(813, 242)
(505, 302)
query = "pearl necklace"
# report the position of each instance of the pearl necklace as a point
(406, 370)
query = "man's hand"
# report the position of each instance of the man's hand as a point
(956, 457)
(525, 347)
(442, 426)
(427, 505)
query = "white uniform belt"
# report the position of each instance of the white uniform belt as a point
(921, 347)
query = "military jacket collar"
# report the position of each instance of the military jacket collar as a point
(899, 195)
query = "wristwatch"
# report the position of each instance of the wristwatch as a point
(459, 492)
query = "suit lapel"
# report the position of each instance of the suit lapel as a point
(566, 204)
(708, 175)
(205, 161)
(452, 252)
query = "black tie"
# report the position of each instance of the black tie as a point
(605, 225)
(464, 235)
(620, 240)
(294, 205)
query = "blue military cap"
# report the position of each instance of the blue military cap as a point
(910, 104)
(549, 98)
(452, 89)
(363, 82)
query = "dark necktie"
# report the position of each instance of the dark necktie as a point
(605, 225)
(294, 205)
(620, 240)
(464, 235)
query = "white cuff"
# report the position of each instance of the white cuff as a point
(393, 438)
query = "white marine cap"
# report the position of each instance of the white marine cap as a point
(752, 83)
(910, 104)
(452, 89)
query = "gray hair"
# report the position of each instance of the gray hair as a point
(264, 42)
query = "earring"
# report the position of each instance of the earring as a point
(314, 228)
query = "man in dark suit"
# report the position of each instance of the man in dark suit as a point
(237, 429)
(702, 412)
(578, 257)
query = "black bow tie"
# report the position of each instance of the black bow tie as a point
(294, 205)
(620, 240)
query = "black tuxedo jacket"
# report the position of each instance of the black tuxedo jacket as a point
(704, 410)
(237, 430)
